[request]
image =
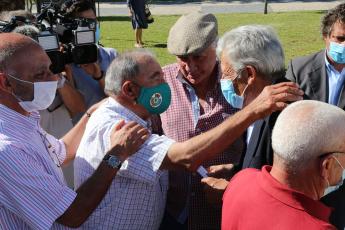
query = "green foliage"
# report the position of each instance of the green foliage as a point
(299, 32)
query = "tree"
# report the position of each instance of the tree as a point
(12, 5)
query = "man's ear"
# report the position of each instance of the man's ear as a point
(251, 74)
(130, 90)
(4, 83)
(325, 167)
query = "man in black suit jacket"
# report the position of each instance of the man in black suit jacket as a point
(247, 70)
(321, 76)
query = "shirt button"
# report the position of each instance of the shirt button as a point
(192, 194)
(194, 174)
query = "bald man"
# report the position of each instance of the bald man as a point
(309, 156)
(33, 191)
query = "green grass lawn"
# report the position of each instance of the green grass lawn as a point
(299, 32)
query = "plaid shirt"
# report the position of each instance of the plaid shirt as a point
(180, 122)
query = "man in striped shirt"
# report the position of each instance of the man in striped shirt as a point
(33, 193)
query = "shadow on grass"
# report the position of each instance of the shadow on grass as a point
(160, 45)
(115, 18)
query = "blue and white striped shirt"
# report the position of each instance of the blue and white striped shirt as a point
(33, 193)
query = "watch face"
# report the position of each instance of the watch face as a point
(114, 162)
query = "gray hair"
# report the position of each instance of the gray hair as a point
(254, 45)
(125, 67)
(27, 30)
(306, 130)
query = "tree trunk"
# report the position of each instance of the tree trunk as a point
(12, 5)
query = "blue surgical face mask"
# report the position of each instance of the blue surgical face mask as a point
(155, 99)
(337, 52)
(97, 33)
(230, 95)
(330, 189)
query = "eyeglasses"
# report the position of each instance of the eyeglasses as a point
(50, 148)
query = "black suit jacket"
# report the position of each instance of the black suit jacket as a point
(336, 200)
(259, 150)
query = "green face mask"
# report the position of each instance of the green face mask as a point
(155, 99)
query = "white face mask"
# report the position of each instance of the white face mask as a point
(330, 189)
(44, 94)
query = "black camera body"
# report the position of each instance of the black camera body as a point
(65, 40)
(77, 37)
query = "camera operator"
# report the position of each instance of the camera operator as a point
(89, 78)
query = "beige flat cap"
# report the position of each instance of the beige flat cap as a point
(192, 34)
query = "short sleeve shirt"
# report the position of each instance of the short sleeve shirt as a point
(137, 195)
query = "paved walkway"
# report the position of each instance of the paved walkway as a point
(111, 9)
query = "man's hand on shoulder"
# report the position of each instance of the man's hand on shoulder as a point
(126, 139)
(274, 98)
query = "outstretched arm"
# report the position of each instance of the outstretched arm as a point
(193, 152)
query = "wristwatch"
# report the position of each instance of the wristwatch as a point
(112, 161)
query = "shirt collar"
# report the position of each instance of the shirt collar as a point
(21, 121)
(292, 197)
(129, 114)
(329, 67)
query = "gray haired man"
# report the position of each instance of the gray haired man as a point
(252, 58)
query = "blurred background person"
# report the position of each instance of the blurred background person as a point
(89, 78)
(138, 16)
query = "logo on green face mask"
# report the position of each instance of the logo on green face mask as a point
(155, 99)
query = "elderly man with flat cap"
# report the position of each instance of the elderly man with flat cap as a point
(197, 105)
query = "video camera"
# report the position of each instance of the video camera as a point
(6, 27)
(65, 40)
(76, 35)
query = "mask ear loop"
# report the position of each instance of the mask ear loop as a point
(245, 88)
(338, 162)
